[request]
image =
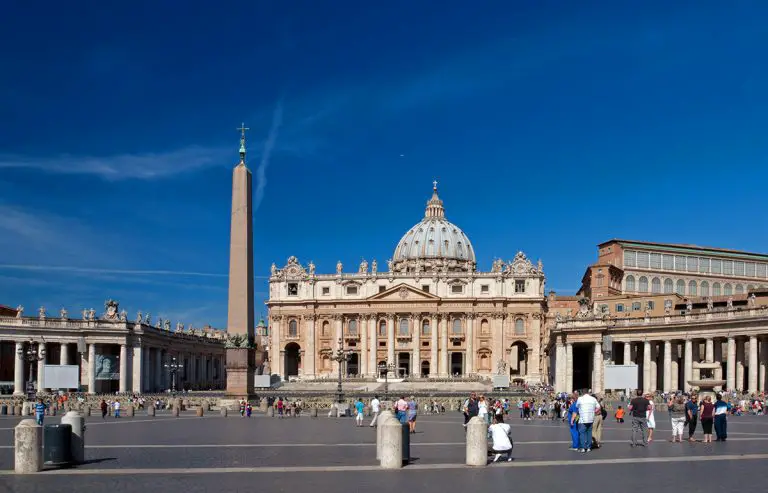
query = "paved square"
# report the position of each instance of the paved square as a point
(215, 453)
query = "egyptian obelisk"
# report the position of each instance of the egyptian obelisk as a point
(241, 360)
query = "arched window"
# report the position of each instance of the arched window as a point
(293, 329)
(656, 285)
(519, 327)
(692, 288)
(727, 289)
(630, 283)
(352, 327)
(456, 326)
(643, 285)
(383, 328)
(739, 289)
(680, 287)
(716, 289)
(484, 327)
(668, 286)
(704, 288)
(403, 326)
(325, 328)
(425, 331)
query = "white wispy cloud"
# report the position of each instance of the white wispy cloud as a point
(266, 154)
(142, 166)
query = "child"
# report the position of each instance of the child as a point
(248, 409)
(620, 415)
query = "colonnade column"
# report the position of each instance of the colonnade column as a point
(560, 366)
(688, 365)
(41, 353)
(627, 353)
(752, 386)
(740, 364)
(569, 367)
(433, 347)
(391, 340)
(138, 368)
(675, 367)
(597, 368)
(276, 364)
(123, 386)
(372, 359)
(667, 366)
(709, 350)
(91, 368)
(731, 365)
(647, 366)
(761, 372)
(363, 360)
(63, 354)
(444, 345)
(469, 364)
(533, 363)
(158, 369)
(18, 370)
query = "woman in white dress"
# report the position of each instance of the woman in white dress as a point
(482, 408)
(650, 417)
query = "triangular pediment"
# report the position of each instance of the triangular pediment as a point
(403, 292)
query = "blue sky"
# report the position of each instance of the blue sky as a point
(551, 127)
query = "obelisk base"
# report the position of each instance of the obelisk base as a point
(241, 364)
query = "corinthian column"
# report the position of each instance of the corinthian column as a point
(647, 366)
(444, 345)
(362, 325)
(469, 365)
(752, 365)
(560, 366)
(310, 358)
(373, 332)
(18, 370)
(123, 369)
(627, 353)
(433, 364)
(597, 368)
(416, 350)
(391, 340)
(688, 365)
(569, 367)
(274, 354)
(731, 365)
(667, 366)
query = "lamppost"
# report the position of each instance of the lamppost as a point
(386, 368)
(173, 367)
(340, 356)
(32, 355)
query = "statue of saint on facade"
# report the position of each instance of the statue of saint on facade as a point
(148, 319)
(167, 325)
(179, 327)
(123, 316)
(710, 304)
(688, 306)
(364, 267)
(139, 318)
(41, 313)
(374, 267)
(311, 268)
(752, 300)
(274, 269)
(111, 310)
(19, 311)
(339, 267)
(730, 303)
(501, 367)
(91, 314)
(63, 313)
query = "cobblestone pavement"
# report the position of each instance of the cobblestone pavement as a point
(227, 454)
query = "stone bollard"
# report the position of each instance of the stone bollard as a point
(477, 445)
(313, 413)
(130, 411)
(199, 412)
(175, 412)
(223, 412)
(28, 447)
(383, 417)
(271, 412)
(151, 410)
(391, 444)
(77, 421)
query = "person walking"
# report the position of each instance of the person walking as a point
(411, 414)
(39, 412)
(650, 417)
(588, 407)
(707, 417)
(721, 419)
(573, 418)
(677, 416)
(401, 406)
(375, 409)
(691, 415)
(117, 408)
(359, 407)
(104, 409)
(597, 425)
(638, 408)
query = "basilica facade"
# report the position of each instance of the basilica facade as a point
(428, 313)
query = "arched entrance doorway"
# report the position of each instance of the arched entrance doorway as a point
(292, 359)
(457, 363)
(425, 368)
(403, 364)
(518, 359)
(353, 365)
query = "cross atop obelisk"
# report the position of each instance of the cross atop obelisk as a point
(242, 130)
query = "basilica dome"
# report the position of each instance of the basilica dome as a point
(434, 244)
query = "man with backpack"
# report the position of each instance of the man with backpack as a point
(597, 425)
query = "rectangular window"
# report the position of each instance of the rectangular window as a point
(636, 306)
(629, 259)
(749, 269)
(457, 289)
(728, 267)
(717, 266)
(326, 291)
(425, 288)
(693, 264)
(704, 265)
(484, 289)
(738, 268)
(619, 307)
(293, 289)
(382, 289)
(651, 305)
(667, 262)
(642, 259)
(679, 262)
(761, 270)
(519, 286)
(655, 261)
(351, 289)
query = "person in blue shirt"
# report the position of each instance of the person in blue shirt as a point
(359, 407)
(721, 419)
(39, 412)
(573, 420)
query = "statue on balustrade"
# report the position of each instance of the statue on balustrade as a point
(19, 311)
(63, 313)
(41, 313)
